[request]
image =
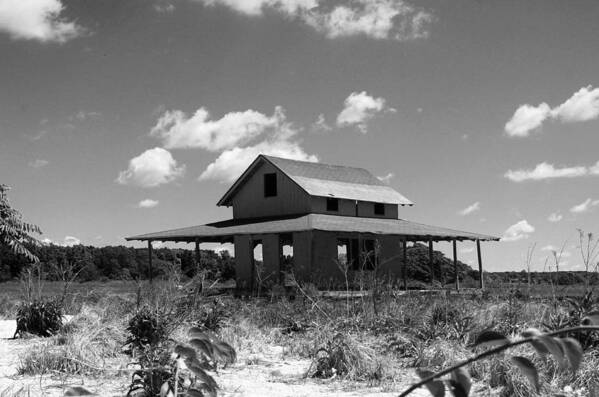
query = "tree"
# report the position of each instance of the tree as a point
(14, 232)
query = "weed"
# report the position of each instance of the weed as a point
(42, 318)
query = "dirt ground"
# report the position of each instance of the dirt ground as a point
(262, 375)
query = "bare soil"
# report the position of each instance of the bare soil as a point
(265, 375)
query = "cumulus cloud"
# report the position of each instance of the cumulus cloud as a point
(147, 203)
(585, 206)
(152, 168)
(583, 105)
(37, 20)
(518, 231)
(594, 170)
(472, 208)
(387, 178)
(359, 108)
(68, 241)
(548, 248)
(38, 163)
(545, 171)
(231, 163)
(178, 131)
(527, 118)
(555, 217)
(377, 19)
(467, 250)
(320, 125)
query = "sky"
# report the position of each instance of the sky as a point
(120, 117)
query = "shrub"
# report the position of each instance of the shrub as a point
(42, 318)
(145, 329)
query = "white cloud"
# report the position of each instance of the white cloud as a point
(198, 131)
(387, 178)
(38, 163)
(378, 19)
(518, 231)
(231, 163)
(467, 250)
(548, 248)
(594, 170)
(526, 119)
(320, 125)
(68, 241)
(151, 168)
(359, 108)
(583, 105)
(83, 115)
(545, 171)
(584, 206)
(148, 203)
(555, 217)
(37, 20)
(470, 209)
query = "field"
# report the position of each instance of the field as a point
(307, 346)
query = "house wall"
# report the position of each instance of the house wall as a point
(348, 208)
(366, 209)
(249, 202)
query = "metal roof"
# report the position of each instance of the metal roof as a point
(225, 230)
(326, 180)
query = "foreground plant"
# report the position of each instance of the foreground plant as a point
(566, 351)
(186, 372)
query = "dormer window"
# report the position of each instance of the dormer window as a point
(379, 209)
(332, 204)
(270, 185)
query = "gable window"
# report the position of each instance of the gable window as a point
(379, 209)
(332, 204)
(270, 185)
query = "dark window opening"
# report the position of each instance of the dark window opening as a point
(332, 204)
(270, 185)
(379, 209)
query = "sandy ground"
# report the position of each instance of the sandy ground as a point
(270, 375)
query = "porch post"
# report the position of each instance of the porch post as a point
(197, 255)
(405, 263)
(481, 282)
(430, 259)
(150, 259)
(455, 266)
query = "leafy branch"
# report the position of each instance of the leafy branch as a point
(561, 349)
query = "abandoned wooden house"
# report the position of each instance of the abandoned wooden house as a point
(323, 213)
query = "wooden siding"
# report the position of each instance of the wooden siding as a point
(249, 202)
(346, 207)
(366, 209)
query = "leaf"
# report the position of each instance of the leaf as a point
(435, 387)
(555, 347)
(460, 380)
(538, 346)
(204, 347)
(592, 318)
(194, 393)
(204, 377)
(490, 338)
(78, 391)
(184, 351)
(224, 351)
(165, 390)
(573, 350)
(197, 333)
(528, 369)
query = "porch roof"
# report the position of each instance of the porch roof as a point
(224, 231)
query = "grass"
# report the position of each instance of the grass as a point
(344, 340)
